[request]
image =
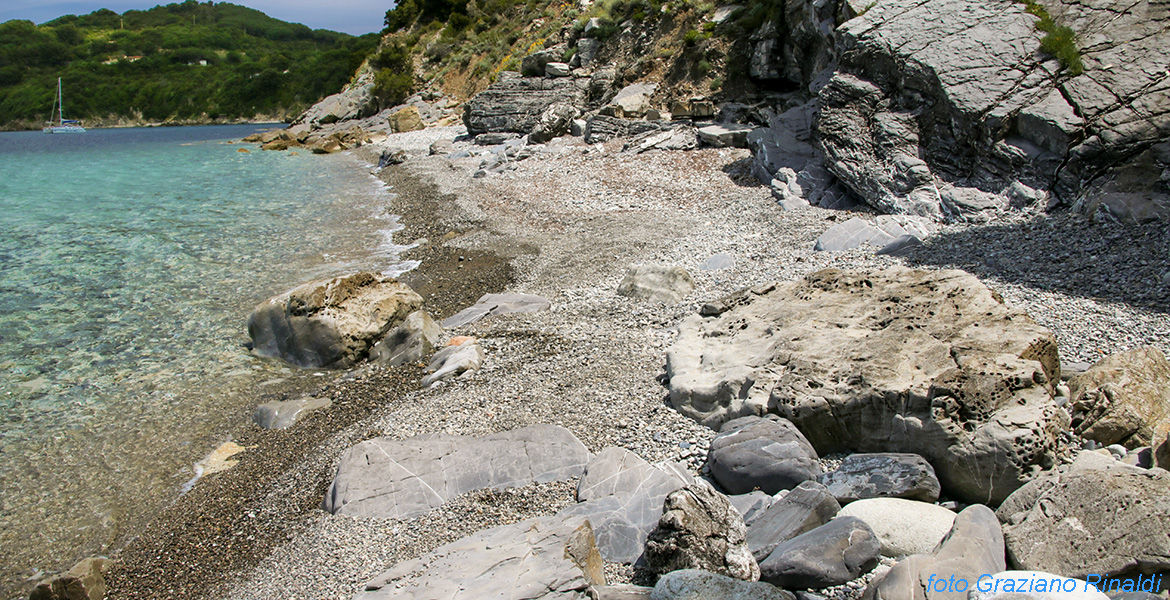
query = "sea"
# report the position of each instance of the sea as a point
(130, 260)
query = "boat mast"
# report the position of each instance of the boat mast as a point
(60, 103)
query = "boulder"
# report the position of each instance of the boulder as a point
(535, 559)
(633, 100)
(553, 123)
(413, 339)
(897, 360)
(515, 104)
(622, 495)
(1032, 585)
(838, 551)
(332, 322)
(84, 581)
(656, 283)
(586, 51)
(1124, 398)
(761, 453)
(355, 101)
(557, 69)
(725, 135)
(1090, 522)
(903, 527)
(694, 584)
(882, 475)
(400, 479)
(785, 143)
(808, 506)
(456, 359)
(497, 304)
(405, 119)
(974, 547)
(536, 64)
(283, 414)
(751, 505)
(391, 157)
(700, 529)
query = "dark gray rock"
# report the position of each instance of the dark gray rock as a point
(622, 496)
(700, 529)
(882, 475)
(765, 453)
(283, 414)
(391, 157)
(1125, 513)
(808, 506)
(497, 304)
(751, 505)
(677, 138)
(515, 104)
(785, 143)
(834, 553)
(901, 245)
(535, 64)
(534, 559)
(694, 584)
(400, 479)
(413, 339)
(330, 323)
(603, 128)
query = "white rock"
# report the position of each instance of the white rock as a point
(904, 527)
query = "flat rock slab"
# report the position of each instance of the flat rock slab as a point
(694, 584)
(903, 527)
(523, 561)
(283, 414)
(765, 453)
(883, 475)
(1090, 522)
(622, 496)
(400, 479)
(897, 360)
(497, 304)
(726, 135)
(884, 231)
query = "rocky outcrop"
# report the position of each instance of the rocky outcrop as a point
(882, 475)
(330, 323)
(1123, 399)
(553, 123)
(1090, 522)
(535, 559)
(515, 103)
(764, 453)
(700, 529)
(898, 360)
(399, 479)
(355, 101)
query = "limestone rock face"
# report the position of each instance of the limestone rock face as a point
(514, 103)
(904, 113)
(700, 529)
(1090, 522)
(897, 360)
(534, 559)
(1124, 398)
(765, 453)
(330, 323)
(400, 479)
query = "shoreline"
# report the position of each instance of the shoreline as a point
(565, 224)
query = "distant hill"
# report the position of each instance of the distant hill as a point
(188, 62)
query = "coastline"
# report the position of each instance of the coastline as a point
(565, 224)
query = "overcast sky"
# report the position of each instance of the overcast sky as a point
(351, 16)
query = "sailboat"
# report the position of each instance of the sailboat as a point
(62, 125)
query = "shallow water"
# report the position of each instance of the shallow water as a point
(129, 261)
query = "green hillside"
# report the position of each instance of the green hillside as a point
(189, 61)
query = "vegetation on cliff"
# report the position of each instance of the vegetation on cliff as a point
(187, 61)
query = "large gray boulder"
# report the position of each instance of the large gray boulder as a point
(700, 529)
(882, 475)
(973, 547)
(1123, 399)
(905, 114)
(808, 506)
(765, 453)
(400, 479)
(330, 323)
(836, 552)
(695, 584)
(515, 104)
(885, 230)
(898, 360)
(622, 496)
(1090, 522)
(535, 559)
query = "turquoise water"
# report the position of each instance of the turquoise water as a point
(129, 261)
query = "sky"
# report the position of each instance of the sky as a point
(351, 16)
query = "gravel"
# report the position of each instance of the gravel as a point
(565, 224)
